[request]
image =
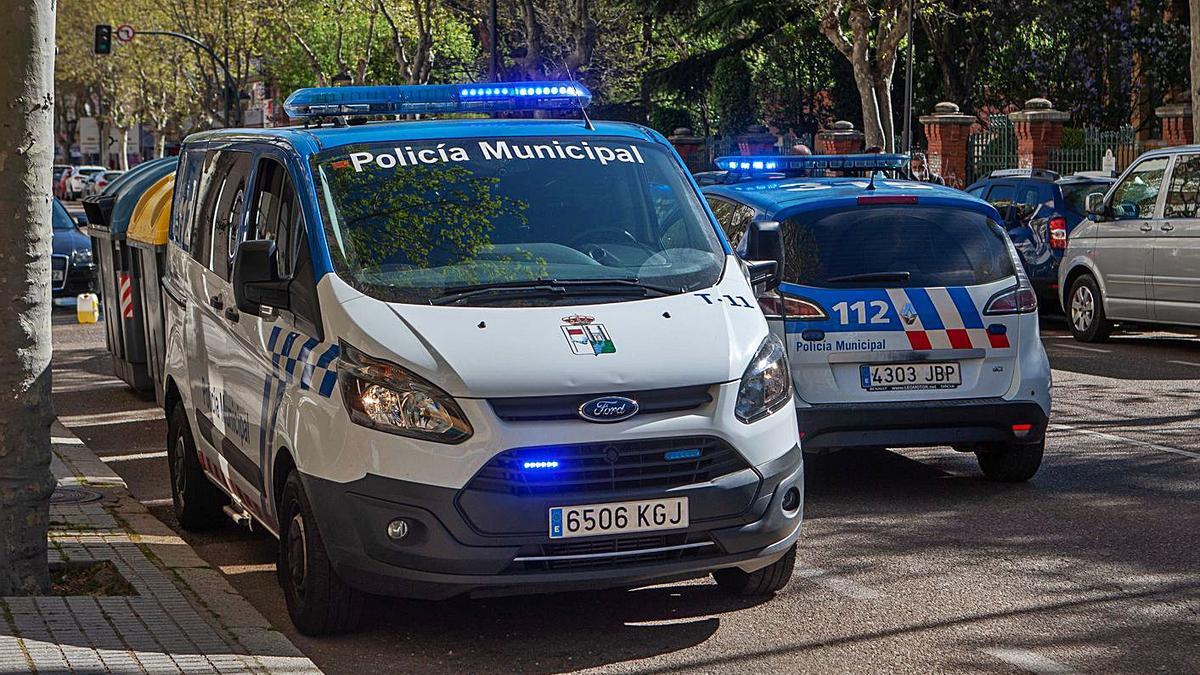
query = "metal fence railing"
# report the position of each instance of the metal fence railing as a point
(1089, 155)
(992, 148)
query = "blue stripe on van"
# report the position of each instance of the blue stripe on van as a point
(966, 307)
(930, 320)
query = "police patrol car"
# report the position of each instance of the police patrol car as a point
(907, 316)
(471, 356)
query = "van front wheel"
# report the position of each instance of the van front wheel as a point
(765, 581)
(318, 601)
(1085, 311)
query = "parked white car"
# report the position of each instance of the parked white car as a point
(98, 181)
(77, 181)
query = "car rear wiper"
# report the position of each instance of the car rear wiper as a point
(871, 276)
(548, 288)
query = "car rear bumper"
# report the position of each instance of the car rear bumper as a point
(920, 423)
(443, 555)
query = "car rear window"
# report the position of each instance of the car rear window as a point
(894, 247)
(1075, 194)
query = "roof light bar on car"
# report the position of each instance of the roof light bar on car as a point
(785, 163)
(406, 99)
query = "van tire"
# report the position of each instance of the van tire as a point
(1085, 311)
(1011, 463)
(765, 581)
(318, 601)
(198, 504)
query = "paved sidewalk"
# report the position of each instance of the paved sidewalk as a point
(184, 618)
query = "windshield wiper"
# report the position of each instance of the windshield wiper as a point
(548, 288)
(871, 276)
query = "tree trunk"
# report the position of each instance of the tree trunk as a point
(883, 99)
(160, 144)
(26, 144)
(123, 162)
(1195, 66)
(872, 122)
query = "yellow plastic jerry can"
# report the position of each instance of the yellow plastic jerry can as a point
(87, 308)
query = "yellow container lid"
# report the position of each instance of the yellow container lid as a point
(152, 216)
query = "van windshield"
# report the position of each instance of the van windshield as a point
(895, 247)
(515, 221)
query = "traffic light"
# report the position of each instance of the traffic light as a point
(103, 44)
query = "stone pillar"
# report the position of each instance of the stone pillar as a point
(948, 132)
(691, 149)
(1176, 123)
(841, 139)
(1039, 132)
(757, 141)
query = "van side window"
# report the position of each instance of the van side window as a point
(733, 218)
(222, 192)
(183, 228)
(275, 212)
(1183, 196)
(1137, 195)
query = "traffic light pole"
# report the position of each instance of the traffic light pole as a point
(230, 89)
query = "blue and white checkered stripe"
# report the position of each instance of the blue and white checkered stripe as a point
(294, 351)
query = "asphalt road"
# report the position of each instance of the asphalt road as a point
(910, 561)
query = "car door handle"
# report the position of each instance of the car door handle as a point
(232, 314)
(1167, 227)
(1146, 227)
(216, 302)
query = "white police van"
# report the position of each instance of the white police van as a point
(908, 317)
(472, 356)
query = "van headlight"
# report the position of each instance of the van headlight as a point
(767, 384)
(387, 397)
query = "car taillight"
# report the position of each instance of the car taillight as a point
(1058, 232)
(877, 200)
(793, 308)
(1019, 300)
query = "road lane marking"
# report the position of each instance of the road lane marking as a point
(839, 585)
(1086, 349)
(65, 440)
(157, 502)
(109, 459)
(1028, 661)
(1124, 439)
(1185, 363)
(119, 417)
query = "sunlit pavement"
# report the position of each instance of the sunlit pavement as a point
(910, 561)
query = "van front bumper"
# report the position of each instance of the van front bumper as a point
(920, 423)
(443, 553)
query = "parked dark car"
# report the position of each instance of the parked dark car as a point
(73, 271)
(1040, 209)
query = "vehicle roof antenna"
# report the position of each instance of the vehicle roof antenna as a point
(871, 185)
(587, 121)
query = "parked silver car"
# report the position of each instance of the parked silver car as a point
(1137, 258)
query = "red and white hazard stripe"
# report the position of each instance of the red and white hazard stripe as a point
(126, 290)
(960, 337)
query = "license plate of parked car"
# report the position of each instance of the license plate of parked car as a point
(587, 520)
(893, 376)
(58, 275)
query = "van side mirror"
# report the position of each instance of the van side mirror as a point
(1094, 203)
(764, 255)
(256, 280)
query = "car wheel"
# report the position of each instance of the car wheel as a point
(1011, 463)
(765, 581)
(318, 601)
(198, 503)
(1085, 311)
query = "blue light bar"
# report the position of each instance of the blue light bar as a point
(411, 99)
(673, 455)
(543, 464)
(786, 163)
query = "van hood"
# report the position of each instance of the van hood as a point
(701, 337)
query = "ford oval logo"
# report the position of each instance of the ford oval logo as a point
(608, 409)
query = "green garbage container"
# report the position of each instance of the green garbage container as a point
(147, 240)
(120, 287)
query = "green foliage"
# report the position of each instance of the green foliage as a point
(665, 119)
(733, 100)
